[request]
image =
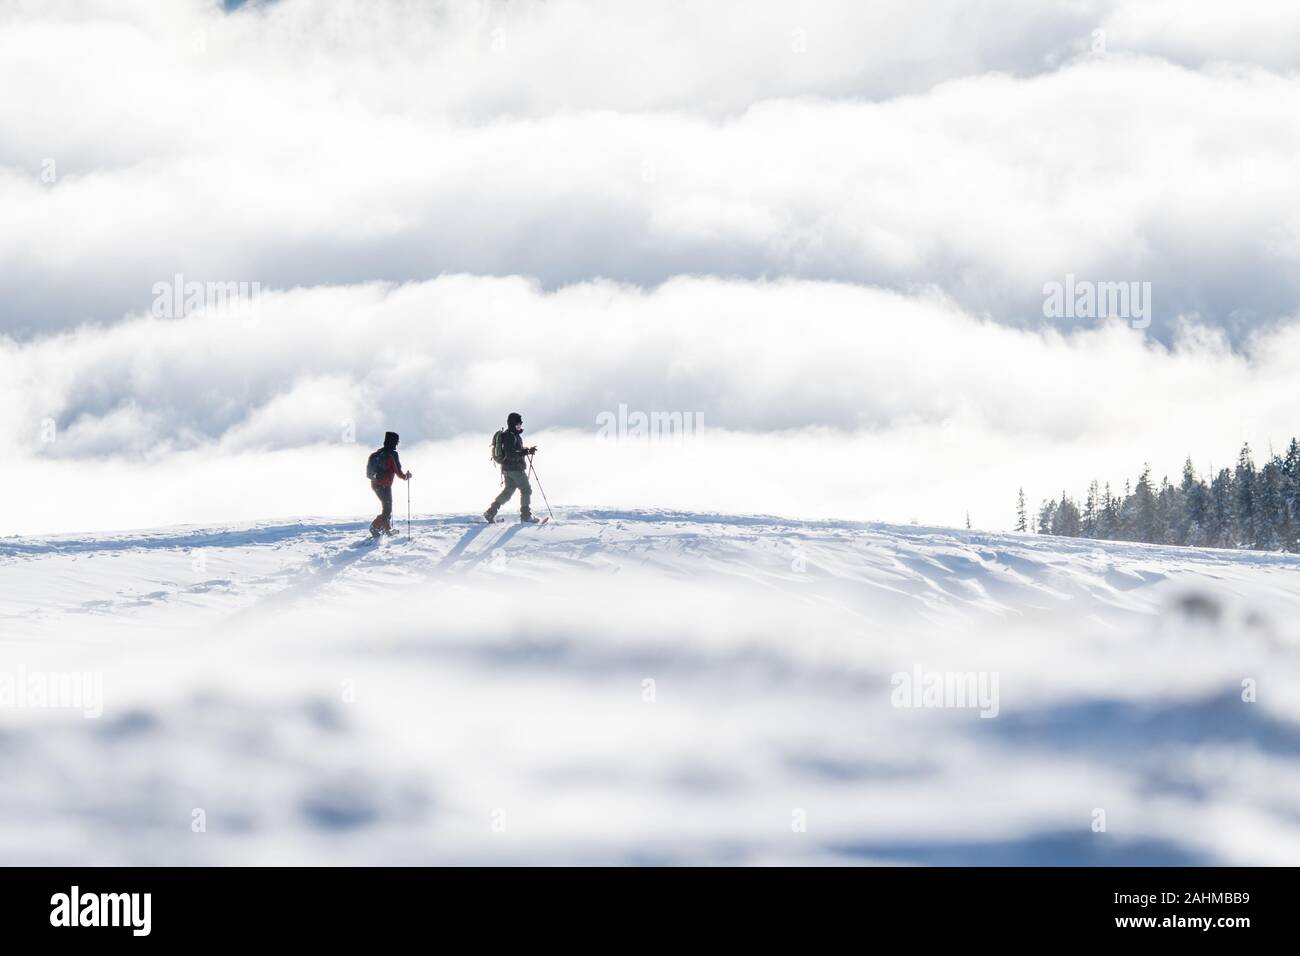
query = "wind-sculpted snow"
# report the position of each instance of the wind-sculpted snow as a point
(646, 688)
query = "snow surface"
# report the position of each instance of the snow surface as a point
(481, 694)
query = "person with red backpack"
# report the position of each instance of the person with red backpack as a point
(381, 468)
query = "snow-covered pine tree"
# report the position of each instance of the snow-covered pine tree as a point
(1243, 490)
(1145, 526)
(1166, 512)
(1291, 460)
(1091, 504)
(1193, 501)
(1242, 507)
(1126, 527)
(1269, 507)
(1109, 515)
(1065, 520)
(1221, 527)
(1046, 513)
(1291, 497)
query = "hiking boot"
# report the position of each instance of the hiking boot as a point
(489, 516)
(529, 519)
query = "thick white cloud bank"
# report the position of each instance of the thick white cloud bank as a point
(824, 229)
(815, 399)
(302, 143)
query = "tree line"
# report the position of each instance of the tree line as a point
(1241, 507)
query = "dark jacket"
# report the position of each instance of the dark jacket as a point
(391, 469)
(516, 452)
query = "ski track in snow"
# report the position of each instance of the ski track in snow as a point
(479, 693)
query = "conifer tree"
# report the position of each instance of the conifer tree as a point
(1145, 526)
(1242, 507)
(1291, 463)
(1046, 514)
(1091, 518)
(1243, 490)
(1127, 523)
(1167, 505)
(1065, 519)
(1193, 501)
(1269, 507)
(1109, 515)
(1220, 528)
(1291, 496)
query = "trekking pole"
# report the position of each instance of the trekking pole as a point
(539, 486)
(408, 507)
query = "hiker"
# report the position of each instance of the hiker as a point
(382, 466)
(509, 451)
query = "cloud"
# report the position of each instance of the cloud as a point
(450, 355)
(827, 234)
(817, 399)
(1197, 32)
(712, 154)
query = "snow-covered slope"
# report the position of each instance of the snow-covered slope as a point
(646, 687)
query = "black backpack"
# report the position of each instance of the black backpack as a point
(499, 446)
(377, 464)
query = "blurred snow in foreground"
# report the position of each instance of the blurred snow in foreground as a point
(647, 688)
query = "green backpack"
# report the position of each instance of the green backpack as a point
(499, 447)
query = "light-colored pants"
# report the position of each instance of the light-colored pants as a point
(516, 479)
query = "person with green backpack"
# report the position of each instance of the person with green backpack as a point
(509, 451)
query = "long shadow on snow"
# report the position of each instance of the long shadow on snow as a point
(478, 557)
(459, 548)
(224, 538)
(321, 571)
(186, 540)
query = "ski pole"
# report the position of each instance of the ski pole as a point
(539, 486)
(408, 507)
